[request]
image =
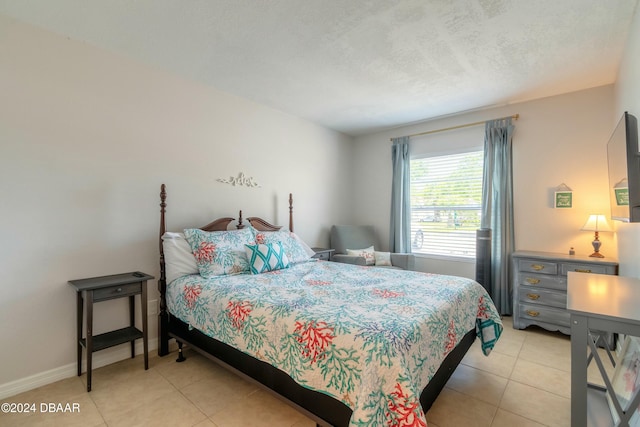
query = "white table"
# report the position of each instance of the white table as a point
(603, 303)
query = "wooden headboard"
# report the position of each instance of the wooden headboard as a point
(220, 224)
(262, 225)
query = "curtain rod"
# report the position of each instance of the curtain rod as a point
(515, 117)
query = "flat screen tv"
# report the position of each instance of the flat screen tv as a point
(623, 155)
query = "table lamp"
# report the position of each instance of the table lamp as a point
(596, 223)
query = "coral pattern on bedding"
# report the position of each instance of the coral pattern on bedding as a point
(371, 338)
(219, 252)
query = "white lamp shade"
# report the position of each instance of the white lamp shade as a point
(596, 223)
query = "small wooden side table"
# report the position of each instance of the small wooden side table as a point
(97, 289)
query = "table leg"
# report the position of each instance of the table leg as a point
(132, 322)
(79, 329)
(89, 340)
(579, 335)
(145, 334)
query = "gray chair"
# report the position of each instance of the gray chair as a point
(345, 237)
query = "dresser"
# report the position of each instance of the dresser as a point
(540, 286)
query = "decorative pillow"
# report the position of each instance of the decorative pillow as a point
(219, 252)
(367, 253)
(291, 244)
(382, 258)
(178, 258)
(264, 258)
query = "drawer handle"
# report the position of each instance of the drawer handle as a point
(119, 290)
(533, 281)
(533, 296)
(533, 313)
(582, 270)
(537, 267)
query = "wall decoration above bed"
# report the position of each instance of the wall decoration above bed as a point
(241, 179)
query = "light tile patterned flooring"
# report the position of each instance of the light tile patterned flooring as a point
(524, 382)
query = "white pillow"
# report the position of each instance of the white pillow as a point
(382, 258)
(178, 258)
(306, 247)
(367, 253)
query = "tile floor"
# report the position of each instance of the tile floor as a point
(524, 382)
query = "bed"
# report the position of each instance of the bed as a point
(346, 345)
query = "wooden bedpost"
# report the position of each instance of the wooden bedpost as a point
(240, 225)
(163, 316)
(290, 212)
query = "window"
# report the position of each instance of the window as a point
(446, 201)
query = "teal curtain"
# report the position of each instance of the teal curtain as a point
(400, 233)
(497, 208)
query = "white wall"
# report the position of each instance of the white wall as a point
(560, 139)
(86, 139)
(627, 98)
(627, 87)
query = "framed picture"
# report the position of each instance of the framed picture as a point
(622, 196)
(563, 199)
(626, 380)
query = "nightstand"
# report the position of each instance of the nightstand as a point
(97, 289)
(323, 253)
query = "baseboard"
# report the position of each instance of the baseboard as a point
(100, 358)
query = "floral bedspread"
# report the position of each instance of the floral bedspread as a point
(369, 337)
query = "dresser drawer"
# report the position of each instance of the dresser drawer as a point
(117, 291)
(534, 295)
(536, 266)
(584, 268)
(542, 281)
(545, 314)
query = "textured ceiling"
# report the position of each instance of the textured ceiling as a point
(358, 66)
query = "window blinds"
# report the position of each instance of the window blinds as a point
(446, 195)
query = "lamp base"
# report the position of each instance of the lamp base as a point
(596, 247)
